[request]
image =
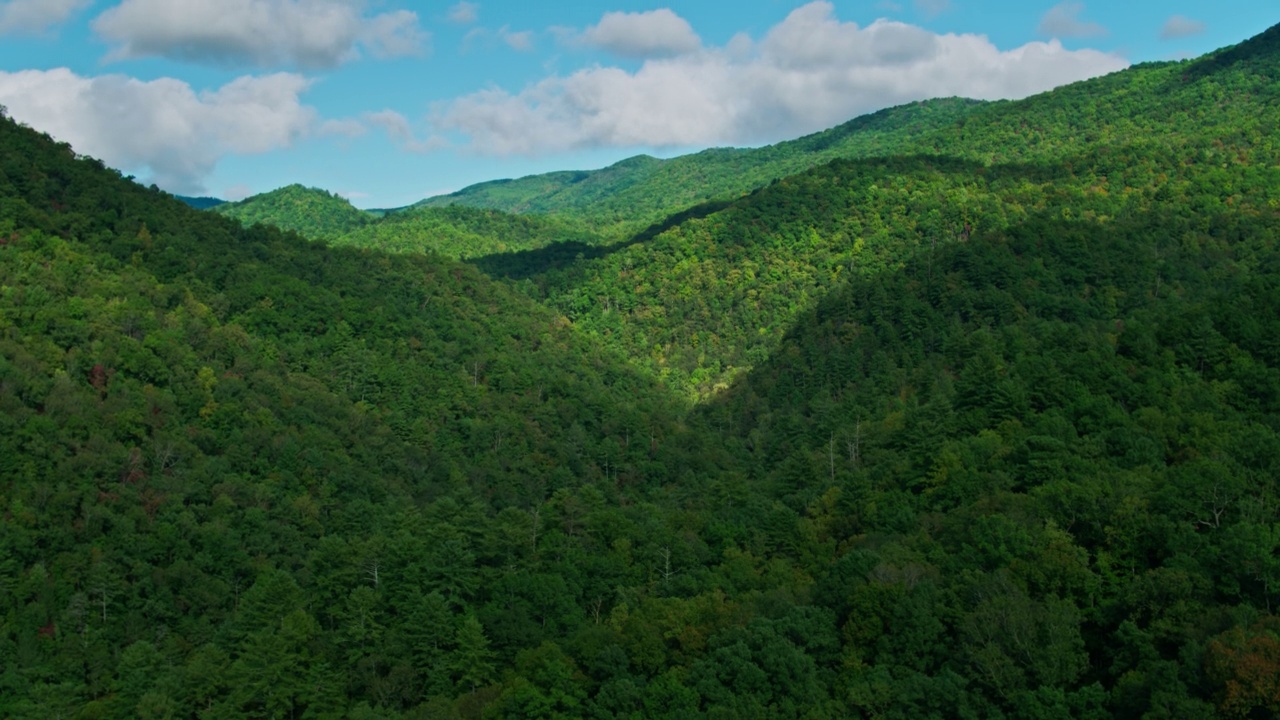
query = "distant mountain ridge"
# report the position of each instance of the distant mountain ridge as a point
(643, 189)
(201, 203)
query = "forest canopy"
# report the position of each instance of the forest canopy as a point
(976, 417)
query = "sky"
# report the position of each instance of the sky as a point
(388, 101)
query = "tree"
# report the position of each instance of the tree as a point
(472, 662)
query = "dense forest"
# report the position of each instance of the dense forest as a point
(981, 420)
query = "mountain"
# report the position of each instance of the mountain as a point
(1002, 443)
(311, 212)
(712, 295)
(631, 194)
(243, 438)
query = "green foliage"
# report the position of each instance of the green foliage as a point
(310, 212)
(627, 196)
(713, 294)
(996, 436)
(462, 232)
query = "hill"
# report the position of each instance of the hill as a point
(311, 212)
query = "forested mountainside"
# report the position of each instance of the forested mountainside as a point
(1009, 452)
(315, 213)
(462, 232)
(712, 295)
(627, 196)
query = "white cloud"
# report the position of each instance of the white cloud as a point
(464, 13)
(1180, 26)
(657, 33)
(162, 127)
(1063, 20)
(36, 16)
(308, 34)
(808, 73)
(400, 130)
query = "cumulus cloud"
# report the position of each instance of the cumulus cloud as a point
(36, 16)
(808, 73)
(464, 13)
(310, 34)
(162, 127)
(1063, 20)
(1180, 26)
(657, 33)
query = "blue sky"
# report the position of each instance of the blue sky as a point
(388, 101)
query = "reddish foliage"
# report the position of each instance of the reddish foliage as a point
(98, 377)
(49, 631)
(1246, 666)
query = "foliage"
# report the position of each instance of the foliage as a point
(625, 197)
(997, 438)
(315, 213)
(462, 232)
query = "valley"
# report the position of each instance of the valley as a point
(958, 410)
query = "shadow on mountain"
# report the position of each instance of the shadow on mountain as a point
(1263, 47)
(530, 263)
(1066, 313)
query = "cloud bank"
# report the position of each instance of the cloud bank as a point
(308, 34)
(163, 127)
(808, 73)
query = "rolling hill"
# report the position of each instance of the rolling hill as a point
(310, 212)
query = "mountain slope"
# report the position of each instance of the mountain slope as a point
(1042, 459)
(228, 449)
(713, 295)
(461, 232)
(643, 190)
